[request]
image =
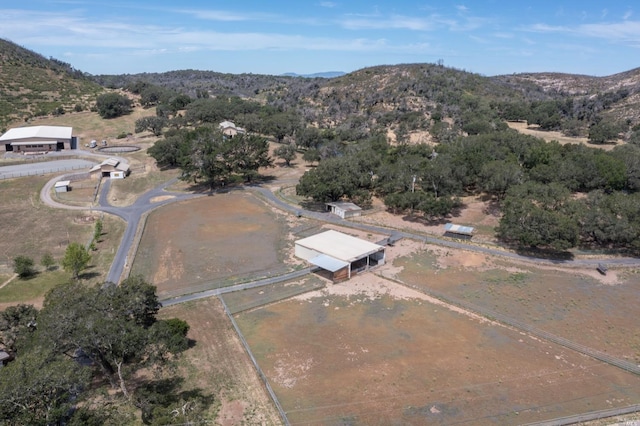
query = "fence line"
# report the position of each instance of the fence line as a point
(13, 175)
(490, 314)
(272, 394)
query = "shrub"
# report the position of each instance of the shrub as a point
(23, 266)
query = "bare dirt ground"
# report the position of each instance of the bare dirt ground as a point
(369, 351)
(225, 236)
(218, 366)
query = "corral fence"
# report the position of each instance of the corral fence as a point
(492, 315)
(13, 175)
(263, 376)
(39, 158)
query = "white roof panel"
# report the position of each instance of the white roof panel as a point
(340, 246)
(328, 263)
(45, 132)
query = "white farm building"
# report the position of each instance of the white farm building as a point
(339, 255)
(38, 139)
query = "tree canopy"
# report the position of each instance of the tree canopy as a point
(206, 155)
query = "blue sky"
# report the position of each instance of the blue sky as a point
(274, 37)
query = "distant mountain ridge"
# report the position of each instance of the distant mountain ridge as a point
(327, 74)
(32, 85)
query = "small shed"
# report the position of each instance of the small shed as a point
(458, 231)
(63, 186)
(344, 209)
(339, 255)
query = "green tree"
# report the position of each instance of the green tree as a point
(47, 261)
(39, 389)
(152, 124)
(76, 258)
(17, 324)
(97, 231)
(536, 215)
(286, 152)
(23, 266)
(111, 324)
(498, 176)
(603, 132)
(112, 105)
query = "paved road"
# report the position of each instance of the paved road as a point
(327, 217)
(132, 215)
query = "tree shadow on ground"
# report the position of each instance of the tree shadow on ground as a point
(314, 206)
(559, 256)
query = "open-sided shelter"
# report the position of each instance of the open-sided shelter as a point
(339, 255)
(38, 139)
(458, 231)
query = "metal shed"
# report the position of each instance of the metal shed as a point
(339, 254)
(63, 186)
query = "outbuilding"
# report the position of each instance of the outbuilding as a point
(35, 139)
(344, 209)
(63, 186)
(338, 255)
(111, 168)
(458, 231)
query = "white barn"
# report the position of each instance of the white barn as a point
(38, 139)
(339, 255)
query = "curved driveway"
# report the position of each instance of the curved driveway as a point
(144, 204)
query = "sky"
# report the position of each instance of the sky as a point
(488, 37)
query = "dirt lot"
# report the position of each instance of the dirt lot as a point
(370, 351)
(578, 304)
(210, 241)
(218, 366)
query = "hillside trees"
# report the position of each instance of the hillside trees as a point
(112, 105)
(152, 124)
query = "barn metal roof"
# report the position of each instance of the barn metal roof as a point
(458, 229)
(340, 246)
(44, 132)
(328, 263)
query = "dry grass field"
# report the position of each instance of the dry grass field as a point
(219, 367)
(549, 136)
(210, 242)
(372, 351)
(581, 305)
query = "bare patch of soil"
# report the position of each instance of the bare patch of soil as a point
(207, 240)
(549, 136)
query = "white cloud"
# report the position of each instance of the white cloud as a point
(328, 4)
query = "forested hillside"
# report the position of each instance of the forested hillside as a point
(419, 136)
(32, 85)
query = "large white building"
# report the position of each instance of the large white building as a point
(339, 255)
(38, 139)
